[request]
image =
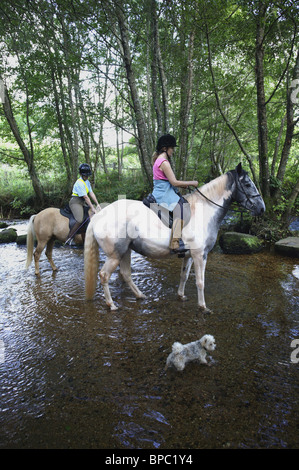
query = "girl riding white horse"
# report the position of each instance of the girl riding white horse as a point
(127, 225)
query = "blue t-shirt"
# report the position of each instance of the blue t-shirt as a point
(79, 188)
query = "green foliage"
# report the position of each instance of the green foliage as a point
(131, 186)
(16, 191)
(18, 198)
(64, 68)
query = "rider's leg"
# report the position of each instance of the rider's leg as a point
(176, 243)
(78, 212)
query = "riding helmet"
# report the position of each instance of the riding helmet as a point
(166, 140)
(84, 169)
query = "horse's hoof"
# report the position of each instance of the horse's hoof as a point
(183, 298)
(112, 307)
(141, 296)
(205, 310)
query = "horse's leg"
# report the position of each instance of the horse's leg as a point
(109, 267)
(37, 253)
(185, 270)
(199, 266)
(49, 251)
(125, 271)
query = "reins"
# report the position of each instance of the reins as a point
(212, 202)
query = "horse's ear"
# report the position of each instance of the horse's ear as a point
(239, 169)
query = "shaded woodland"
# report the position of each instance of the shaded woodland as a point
(222, 76)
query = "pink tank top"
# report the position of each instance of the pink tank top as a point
(159, 174)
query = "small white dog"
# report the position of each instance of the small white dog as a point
(197, 350)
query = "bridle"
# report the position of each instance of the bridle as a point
(240, 188)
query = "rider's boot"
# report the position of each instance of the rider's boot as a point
(176, 244)
(72, 233)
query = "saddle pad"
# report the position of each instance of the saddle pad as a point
(165, 215)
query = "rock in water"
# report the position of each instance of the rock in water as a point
(239, 243)
(288, 246)
(8, 235)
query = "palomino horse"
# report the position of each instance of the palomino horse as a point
(129, 225)
(47, 226)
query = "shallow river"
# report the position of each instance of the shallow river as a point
(74, 375)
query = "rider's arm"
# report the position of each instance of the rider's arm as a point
(165, 166)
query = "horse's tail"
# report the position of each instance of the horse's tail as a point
(91, 262)
(30, 241)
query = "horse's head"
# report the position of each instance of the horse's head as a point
(246, 193)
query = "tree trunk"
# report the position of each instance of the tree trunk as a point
(287, 214)
(27, 154)
(144, 141)
(162, 75)
(291, 122)
(155, 70)
(261, 103)
(186, 100)
(60, 126)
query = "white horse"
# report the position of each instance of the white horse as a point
(127, 225)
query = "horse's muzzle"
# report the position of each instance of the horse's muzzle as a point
(258, 208)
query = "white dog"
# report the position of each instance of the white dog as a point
(197, 350)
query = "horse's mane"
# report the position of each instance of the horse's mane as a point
(213, 190)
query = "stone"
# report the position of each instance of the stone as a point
(22, 240)
(239, 243)
(8, 235)
(288, 246)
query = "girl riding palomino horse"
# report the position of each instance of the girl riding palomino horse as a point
(82, 192)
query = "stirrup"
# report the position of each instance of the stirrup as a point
(180, 251)
(70, 242)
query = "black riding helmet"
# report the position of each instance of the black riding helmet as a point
(166, 140)
(84, 169)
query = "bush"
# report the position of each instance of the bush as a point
(18, 198)
(108, 187)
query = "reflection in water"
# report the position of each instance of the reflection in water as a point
(77, 375)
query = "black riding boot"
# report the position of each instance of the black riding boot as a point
(72, 233)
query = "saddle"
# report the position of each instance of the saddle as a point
(66, 212)
(164, 214)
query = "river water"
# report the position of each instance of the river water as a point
(74, 375)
